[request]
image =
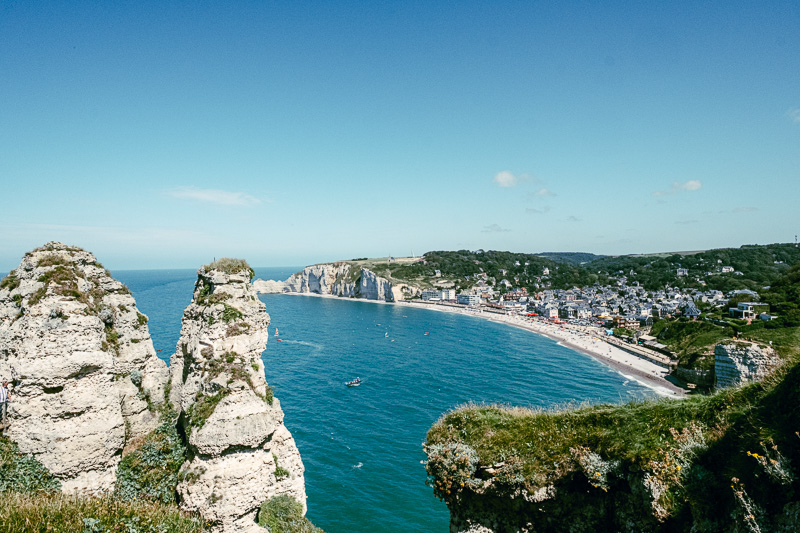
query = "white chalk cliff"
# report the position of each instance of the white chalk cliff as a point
(86, 379)
(341, 279)
(742, 362)
(240, 453)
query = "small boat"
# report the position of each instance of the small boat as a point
(354, 383)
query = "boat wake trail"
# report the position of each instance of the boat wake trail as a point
(303, 343)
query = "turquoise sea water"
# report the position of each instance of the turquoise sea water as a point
(361, 446)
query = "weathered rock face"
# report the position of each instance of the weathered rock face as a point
(241, 454)
(86, 376)
(338, 279)
(741, 362)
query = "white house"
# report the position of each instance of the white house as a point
(469, 299)
(431, 295)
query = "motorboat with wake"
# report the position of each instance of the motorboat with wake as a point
(354, 383)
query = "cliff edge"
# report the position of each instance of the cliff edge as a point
(728, 462)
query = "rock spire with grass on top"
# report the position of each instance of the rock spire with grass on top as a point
(241, 454)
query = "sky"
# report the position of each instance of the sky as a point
(166, 134)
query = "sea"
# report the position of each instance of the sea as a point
(362, 446)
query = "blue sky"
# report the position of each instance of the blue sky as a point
(163, 134)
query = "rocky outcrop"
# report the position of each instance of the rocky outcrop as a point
(741, 362)
(339, 279)
(86, 379)
(240, 453)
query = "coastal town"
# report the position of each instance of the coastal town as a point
(621, 314)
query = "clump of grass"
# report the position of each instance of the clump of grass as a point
(59, 512)
(51, 260)
(229, 313)
(10, 282)
(204, 406)
(284, 514)
(280, 472)
(112, 339)
(151, 471)
(230, 266)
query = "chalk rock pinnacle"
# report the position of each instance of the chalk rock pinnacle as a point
(240, 453)
(86, 379)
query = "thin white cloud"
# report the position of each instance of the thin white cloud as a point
(794, 115)
(534, 211)
(544, 192)
(494, 228)
(214, 196)
(505, 179)
(747, 209)
(676, 187)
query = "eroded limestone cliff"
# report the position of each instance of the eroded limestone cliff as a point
(340, 279)
(742, 362)
(241, 454)
(86, 379)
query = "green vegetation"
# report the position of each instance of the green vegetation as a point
(284, 514)
(230, 266)
(207, 296)
(280, 472)
(784, 298)
(23, 473)
(112, 339)
(693, 341)
(31, 502)
(51, 260)
(151, 471)
(62, 513)
(230, 313)
(10, 282)
(754, 268)
(686, 452)
(203, 407)
(758, 267)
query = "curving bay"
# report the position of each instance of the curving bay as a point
(362, 446)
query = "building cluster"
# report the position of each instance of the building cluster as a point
(619, 305)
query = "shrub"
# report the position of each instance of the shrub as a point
(151, 471)
(284, 514)
(23, 473)
(450, 467)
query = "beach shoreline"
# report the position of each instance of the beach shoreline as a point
(586, 341)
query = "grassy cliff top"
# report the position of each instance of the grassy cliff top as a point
(695, 452)
(230, 265)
